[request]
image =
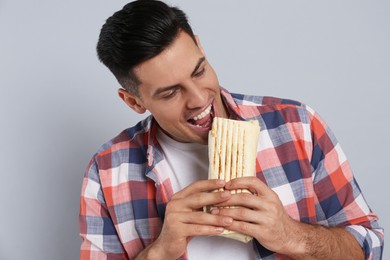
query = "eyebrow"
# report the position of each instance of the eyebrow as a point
(162, 89)
(200, 61)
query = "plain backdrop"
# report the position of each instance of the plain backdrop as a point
(58, 104)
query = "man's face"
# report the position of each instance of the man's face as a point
(180, 88)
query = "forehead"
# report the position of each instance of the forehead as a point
(172, 65)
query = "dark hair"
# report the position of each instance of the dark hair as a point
(138, 32)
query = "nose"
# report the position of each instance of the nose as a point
(196, 96)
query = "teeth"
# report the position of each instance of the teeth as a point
(203, 114)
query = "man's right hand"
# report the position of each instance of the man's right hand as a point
(184, 219)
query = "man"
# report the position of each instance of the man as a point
(143, 191)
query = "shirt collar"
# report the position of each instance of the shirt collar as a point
(231, 106)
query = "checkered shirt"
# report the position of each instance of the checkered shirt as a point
(126, 185)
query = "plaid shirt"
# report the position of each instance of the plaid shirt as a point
(126, 185)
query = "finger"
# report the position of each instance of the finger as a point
(239, 213)
(202, 230)
(203, 218)
(244, 227)
(199, 200)
(199, 186)
(253, 184)
(197, 223)
(191, 230)
(245, 200)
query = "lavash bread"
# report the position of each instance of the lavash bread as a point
(232, 154)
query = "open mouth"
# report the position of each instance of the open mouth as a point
(204, 119)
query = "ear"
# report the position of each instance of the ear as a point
(132, 101)
(199, 45)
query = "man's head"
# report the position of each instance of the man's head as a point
(138, 32)
(162, 66)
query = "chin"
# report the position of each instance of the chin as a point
(204, 139)
(204, 142)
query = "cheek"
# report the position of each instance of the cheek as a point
(212, 78)
(167, 116)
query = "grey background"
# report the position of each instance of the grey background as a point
(58, 104)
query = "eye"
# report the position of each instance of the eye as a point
(200, 73)
(169, 93)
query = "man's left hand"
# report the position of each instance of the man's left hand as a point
(259, 214)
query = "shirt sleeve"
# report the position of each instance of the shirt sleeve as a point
(99, 237)
(339, 200)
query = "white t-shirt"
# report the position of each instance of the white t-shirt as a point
(188, 163)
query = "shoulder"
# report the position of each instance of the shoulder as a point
(253, 100)
(128, 146)
(273, 111)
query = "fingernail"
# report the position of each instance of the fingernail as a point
(225, 194)
(219, 229)
(227, 220)
(214, 211)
